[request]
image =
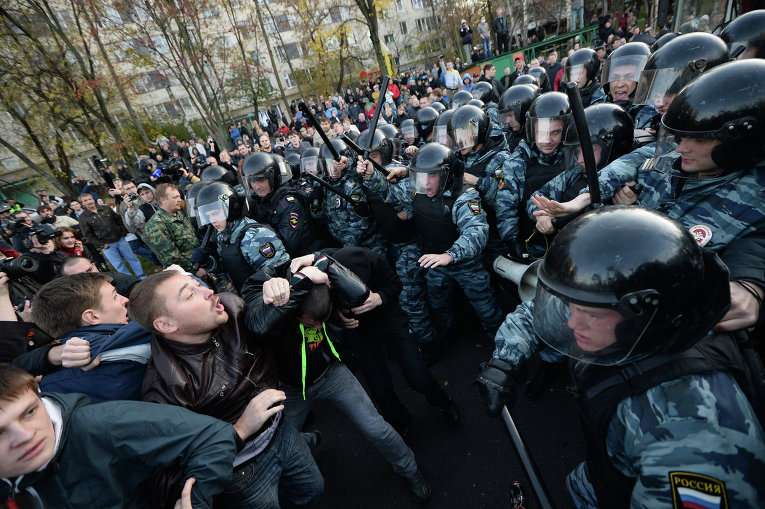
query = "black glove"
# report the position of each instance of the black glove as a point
(495, 383)
(346, 285)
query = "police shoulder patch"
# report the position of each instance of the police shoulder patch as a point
(697, 491)
(267, 250)
(474, 206)
(294, 219)
(701, 233)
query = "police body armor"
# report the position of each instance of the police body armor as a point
(537, 175)
(393, 228)
(436, 232)
(601, 389)
(232, 260)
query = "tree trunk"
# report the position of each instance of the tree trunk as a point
(51, 179)
(117, 82)
(369, 11)
(289, 62)
(270, 53)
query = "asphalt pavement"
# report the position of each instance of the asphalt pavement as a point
(471, 467)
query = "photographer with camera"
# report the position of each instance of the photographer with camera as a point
(135, 208)
(21, 227)
(57, 221)
(102, 227)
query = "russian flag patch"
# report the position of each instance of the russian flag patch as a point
(696, 491)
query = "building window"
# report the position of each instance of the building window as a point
(292, 50)
(282, 22)
(417, 4)
(420, 24)
(335, 15)
(402, 25)
(399, 5)
(288, 81)
(388, 39)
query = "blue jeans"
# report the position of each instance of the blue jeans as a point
(286, 466)
(119, 255)
(142, 249)
(486, 47)
(577, 14)
(339, 386)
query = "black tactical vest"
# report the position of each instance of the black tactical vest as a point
(232, 260)
(537, 175)
(391, 226)
(436, 232)
(601, 389)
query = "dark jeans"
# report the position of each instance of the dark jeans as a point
(286, 467)
(385, 330)
(142, 249)
(502, 45)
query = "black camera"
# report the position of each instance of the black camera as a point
(132, 197)
(18, 267)
(43, 232)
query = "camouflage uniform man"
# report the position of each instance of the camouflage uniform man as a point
(344, 222)
(452, 231)
(666, 413)
(398, 229)
(489, 167)
(169, 232)
(244, 245)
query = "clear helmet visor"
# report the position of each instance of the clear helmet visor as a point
(409, 132)
(588, 334)
(577, 74)
(573, 157)
(546, 133)
(285, 172)
(190, 210)
(441, 135)
(309, 164)
(510, 121)
(212, 212)
(428, 184)
(334, 168)
(465, 137)
(622, 75)
(666, 143)
(657, 87)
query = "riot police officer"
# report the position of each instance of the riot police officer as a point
(274, 202)
(745, 35)
(543, 80)
(667, 407)
(620, 77)
(512, 108)
(461, 98)
(488, 167)
(408, 135)
(484, 91)
(583, 68)
(451, 231)
(244, 245)
(441, 129)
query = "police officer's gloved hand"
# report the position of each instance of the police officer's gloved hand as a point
(495, 383)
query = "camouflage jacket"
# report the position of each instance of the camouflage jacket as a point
(467, 214)
(696, 424)
(260, 246)
(716, 210)
(345, 225)
(500, 185)
(171, 237)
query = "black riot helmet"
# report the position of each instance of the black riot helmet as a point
(468, 127)
(664, 39)
(409, 130)
(547, 121)
(213, 174)
(526, 79)
(191, 197)
(725, 104)
(380, 143)
(217, 201)
(484, 91)
(441, 131)
(745, 35)
(327, 160)
(265, 166)
(293, 160)
(309, 161)
(438, 106)
(623, 67)
(582, 67)
(622, 283)
(435, 170)
(676, 64)
(514, 104)
(425, 120)
(611, 132)
(541, 75)
(477, 103)
(461, 98)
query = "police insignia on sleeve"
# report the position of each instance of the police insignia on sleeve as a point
(702, 233)
(474, 206)
(294, 219)
(696, 491)
(267, 250)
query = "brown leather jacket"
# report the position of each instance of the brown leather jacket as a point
(217, 378)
